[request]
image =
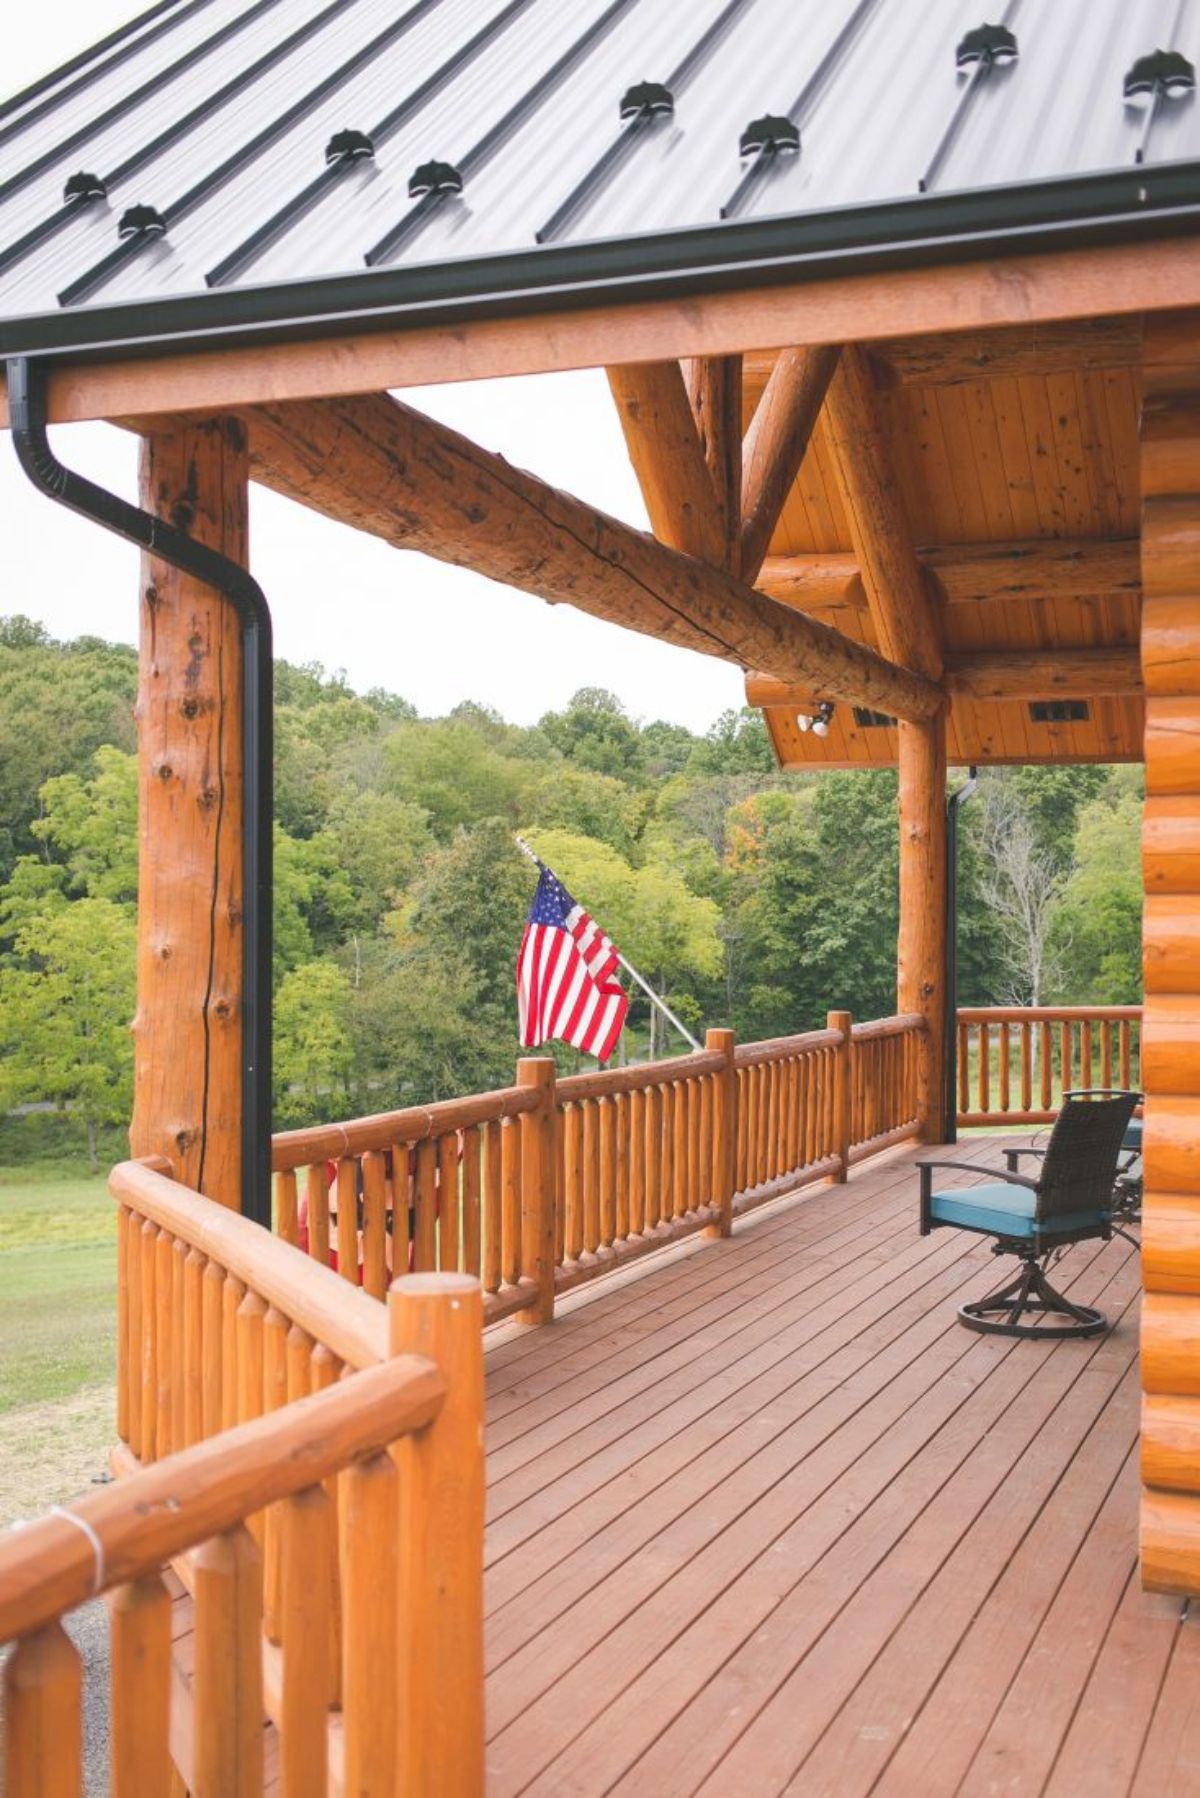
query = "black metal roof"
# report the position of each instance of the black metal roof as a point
(229, 167)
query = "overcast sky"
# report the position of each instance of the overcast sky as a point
(434, 633)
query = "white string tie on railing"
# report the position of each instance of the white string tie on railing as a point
(81, 1523)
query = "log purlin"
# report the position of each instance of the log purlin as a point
(1170, 464)
(379, 466)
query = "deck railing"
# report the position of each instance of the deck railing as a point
(542, 1185)
(333, 1552)
(1015, 1062)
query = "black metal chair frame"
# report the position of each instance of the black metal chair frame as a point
(1127, 1185)
(1077, 1180)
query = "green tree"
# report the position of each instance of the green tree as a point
(66, 998)
(596, 732)
(1099, 925)
(91, 823)
(313, 1052)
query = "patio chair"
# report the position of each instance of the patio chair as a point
(1035, 1218)
(1127, 1187)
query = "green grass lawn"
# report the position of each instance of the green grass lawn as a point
(57, 1285)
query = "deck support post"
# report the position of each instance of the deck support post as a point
(538, 1184)
(921, 953)
(440, 1532)
(843, 1091)
(1170, 466)
(724, 1130)
(187, 1031)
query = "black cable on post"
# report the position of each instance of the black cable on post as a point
(954, 805)
(27, 421)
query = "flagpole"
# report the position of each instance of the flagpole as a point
(628, 966)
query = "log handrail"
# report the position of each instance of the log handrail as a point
(606, 1084)
(1015, 1061)
(344, 1319)
(750, 1055)
(51, 1565)
(292, 1149)
(1047, 1014)
(902, 1024)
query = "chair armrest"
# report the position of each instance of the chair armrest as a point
(1012, 1156)
(976, 1167)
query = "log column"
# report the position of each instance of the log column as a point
(921, 950)
(1171, 952)
(188, 1028)
(906, 628)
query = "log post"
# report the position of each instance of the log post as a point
(723, 1148)
(921, 955)
(1170, 463)
(538, 1187)
(188, 1029)
(842, 1091)
(439, 1664)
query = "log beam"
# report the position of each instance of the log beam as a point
(776, 443)
(668, 457)
(379, 466)
(898, 594)
(714, 385)
(970, 573)
(1002, 674)
(187, 1102)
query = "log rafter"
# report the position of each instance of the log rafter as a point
(776, 443)
(668, 456)
(379, 466)
(969, 572)
(714, 386)
(1000, 674)
(898, 593)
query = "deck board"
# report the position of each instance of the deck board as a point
(764, 1517)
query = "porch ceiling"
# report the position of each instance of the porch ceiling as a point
(1028, 439)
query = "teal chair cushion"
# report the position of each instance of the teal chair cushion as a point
(1133, 1135)
(1001, 1210)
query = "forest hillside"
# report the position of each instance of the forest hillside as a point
(746, 896)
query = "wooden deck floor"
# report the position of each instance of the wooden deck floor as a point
(764, 1517)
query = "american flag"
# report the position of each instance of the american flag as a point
(566, 975)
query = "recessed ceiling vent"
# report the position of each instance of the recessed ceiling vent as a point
(869, 720)
(1059, 711)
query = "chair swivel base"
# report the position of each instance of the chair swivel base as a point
(1001, 1313)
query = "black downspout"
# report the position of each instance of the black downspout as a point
(954, 803)
(27, 421)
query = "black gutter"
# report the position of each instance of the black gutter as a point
(954, 805)
(1125, 205)
(27, 421)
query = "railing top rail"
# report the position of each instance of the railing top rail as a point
(782, 1048)
(903, 1023)
(1049, 1014)
(627, 1080)
(416, 1123)
(346, 1319)
(49, 1566)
